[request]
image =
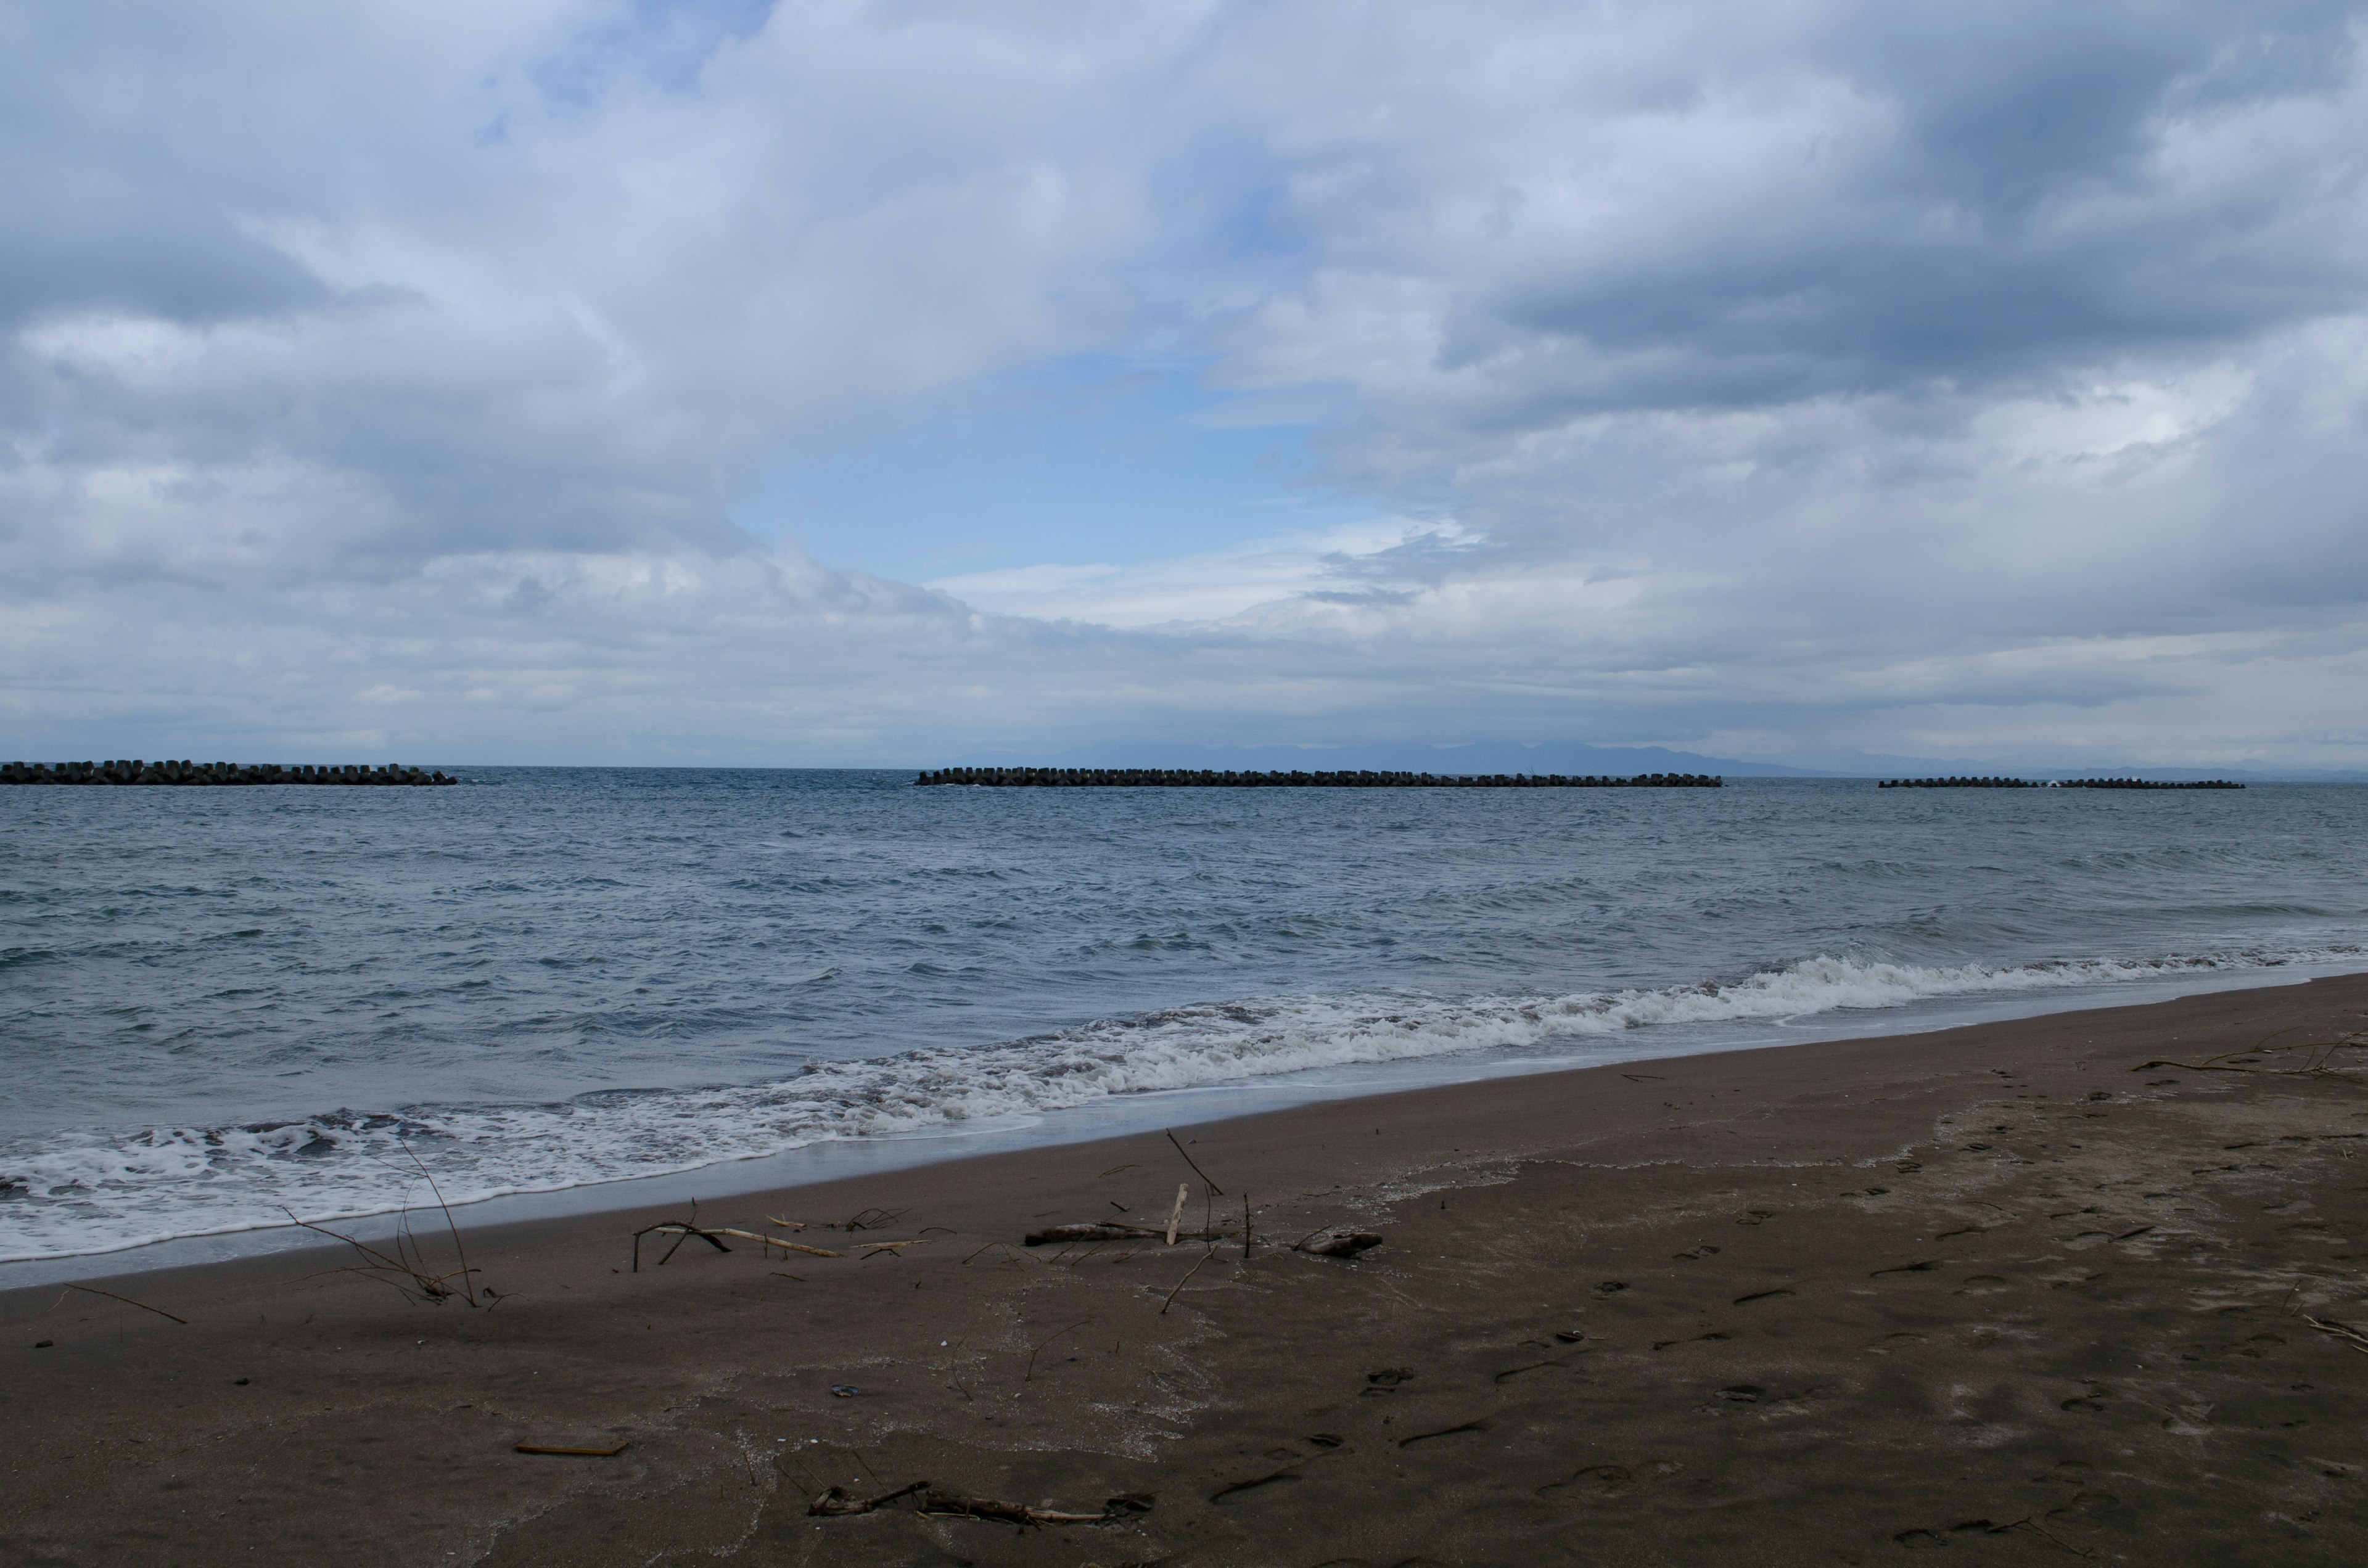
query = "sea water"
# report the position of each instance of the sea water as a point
(223, 1007)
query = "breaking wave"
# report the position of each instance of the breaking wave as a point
(86, 1192)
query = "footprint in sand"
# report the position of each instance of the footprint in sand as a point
(1605, 1483)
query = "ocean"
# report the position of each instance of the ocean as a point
(221, 1007)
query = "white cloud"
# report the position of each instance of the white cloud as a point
(1778, 379)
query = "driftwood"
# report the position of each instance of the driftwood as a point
(954, 1504)
(1339, 1243)
(838, 1504)
(1175, 1219)
(2322, 1062)
(683, 1230)
(575, 1453)
(1112, 1231)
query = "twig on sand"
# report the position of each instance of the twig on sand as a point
(876, 1248)
(836, 1504)
(2026, 1522)
(1186, 1280)
(2321, 1063)
(682, 1230)
(957, 1350)
(1245, 1227)
(1109, 1231)
(468, 1290)
(92, 1291)
(953, 1504)
(429, 1289)
(766, 1241)
(1195, 1165)
(1029, 1376)
(2333, 1330)
(573, 1453)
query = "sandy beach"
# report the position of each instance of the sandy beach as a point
(1990, 1290)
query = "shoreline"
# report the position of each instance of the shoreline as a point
(1118, 1116)
(1985, 1284)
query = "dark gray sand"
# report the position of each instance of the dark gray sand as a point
(1986, 1292)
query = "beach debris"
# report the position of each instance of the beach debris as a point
(1111, 1231)
(764, 1240)
(1389, 1377)
(844, 1390)
(1175, 1219)
(93, 1290)
(1195, 1165)
(2334, 1330)
(873, 1249)
(785, 1225)
(1187, 1280)
(954, 1504)
(838, 1504)
(43, 1344)
(1030, 1375)
(570, 1453)
(682, 1230)
(1338, 1242)
(2320, 1060)
(401, 1270)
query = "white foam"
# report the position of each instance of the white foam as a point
(99, 1191)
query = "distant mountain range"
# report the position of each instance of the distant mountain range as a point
(1572, 756)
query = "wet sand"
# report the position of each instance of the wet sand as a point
(1988, 1291)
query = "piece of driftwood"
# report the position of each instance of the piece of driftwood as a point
(2320, 1063)
(1175, 1217)
(763, 1240)
(1111, 1230)
(1339, 1243)
(572, 1453)
(838, 1504)
(954, 1504)
(873, 1249)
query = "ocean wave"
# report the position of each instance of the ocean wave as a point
(90, 1192)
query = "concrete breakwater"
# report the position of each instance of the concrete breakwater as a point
(137, 771)
(1188, 777)
(2055, 784)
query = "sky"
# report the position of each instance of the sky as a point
(849, 383)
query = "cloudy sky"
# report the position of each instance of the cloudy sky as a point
(834, 382)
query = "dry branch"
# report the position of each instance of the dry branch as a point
(2322, 1064)
(1111, 1230)
(576, 1453)
(412, 1279)
(1186, 1280)
(90, 1290)
(958, 1507)
(1195, 1165)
